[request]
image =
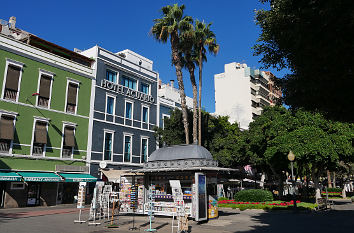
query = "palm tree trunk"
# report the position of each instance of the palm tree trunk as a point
(195, 103)
(200, 97)
(176, 59)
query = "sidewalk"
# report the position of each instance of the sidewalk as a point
(38, 211)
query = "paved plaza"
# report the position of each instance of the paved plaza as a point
(60, 219)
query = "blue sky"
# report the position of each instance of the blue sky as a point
(118, 25)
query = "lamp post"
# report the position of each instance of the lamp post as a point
(291, 158)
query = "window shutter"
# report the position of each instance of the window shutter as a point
(40, 134)
(69, 138)
(12, 77)
(44, 88)
(7, 128)
(72, 90)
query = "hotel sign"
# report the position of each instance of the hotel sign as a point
(127, 91)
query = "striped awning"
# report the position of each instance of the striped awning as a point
(78, 177)
(9, 176)
(40, 176)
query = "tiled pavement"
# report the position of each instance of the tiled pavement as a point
(60, 219)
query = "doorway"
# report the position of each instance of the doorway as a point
(33, 194)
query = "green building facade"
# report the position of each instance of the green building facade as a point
(44, 110)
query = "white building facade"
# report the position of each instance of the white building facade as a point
(169, 99)
(242, 92)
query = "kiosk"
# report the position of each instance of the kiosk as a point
(194, 167)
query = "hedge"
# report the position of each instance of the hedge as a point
(333, 190)
(257, 195)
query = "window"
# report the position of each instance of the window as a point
(110, 105)
(6, 133)
(127, 148)
(108, 146)
(69, 141)
(164, 118)
(128, 110)
(145, 88)
(128, 82)
(144, 150)
(40, 138)
(43, 99)
(111, 76)
(13, 79)
(17, 185)
(71, 100)
(145, 114)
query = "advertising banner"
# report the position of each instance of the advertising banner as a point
(201, 208)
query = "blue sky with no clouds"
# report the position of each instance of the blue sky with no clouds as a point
(118, 25)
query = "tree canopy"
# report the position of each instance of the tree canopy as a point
(313, 39)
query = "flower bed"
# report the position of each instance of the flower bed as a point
(264, 205)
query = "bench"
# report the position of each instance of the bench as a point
(323, 204)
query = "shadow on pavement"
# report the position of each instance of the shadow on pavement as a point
(299, 222)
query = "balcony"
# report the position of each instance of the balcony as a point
(10, 94)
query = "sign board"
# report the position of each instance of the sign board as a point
(81, 195)
(120, 89)
(201, 204)
(176, 190)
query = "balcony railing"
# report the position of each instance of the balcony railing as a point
(67, 152)
(10, 94)
(37, 150)
(5, 146)
(43, 102)
(70, 108)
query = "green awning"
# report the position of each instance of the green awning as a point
(78, 177)
(40, 176)
(9, 176)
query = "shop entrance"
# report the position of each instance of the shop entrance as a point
(33, 194)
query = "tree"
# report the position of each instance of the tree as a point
(318, 144)
(221, 138)
(204, 37)
(189, 58)
(171, 27)
(313, 40)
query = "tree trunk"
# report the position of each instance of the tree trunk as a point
(334, 180)
(195, 103)
(316, 183)
(176, 59)
(200, 95)
(329, 179)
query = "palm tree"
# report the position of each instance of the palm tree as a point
(189, 58)
(171, 26)
(204, 37)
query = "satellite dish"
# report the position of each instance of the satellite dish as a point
(103, 164)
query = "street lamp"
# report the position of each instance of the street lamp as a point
(291, 158)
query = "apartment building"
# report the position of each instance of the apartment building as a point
(44, 118)
(242, 92)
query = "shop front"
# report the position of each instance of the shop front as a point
(27, 188)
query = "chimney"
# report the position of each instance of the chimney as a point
(172, 82)
(12, 22)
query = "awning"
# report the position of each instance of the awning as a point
(114, 175)
(9, 176)
(40, 176)
(78, 177)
